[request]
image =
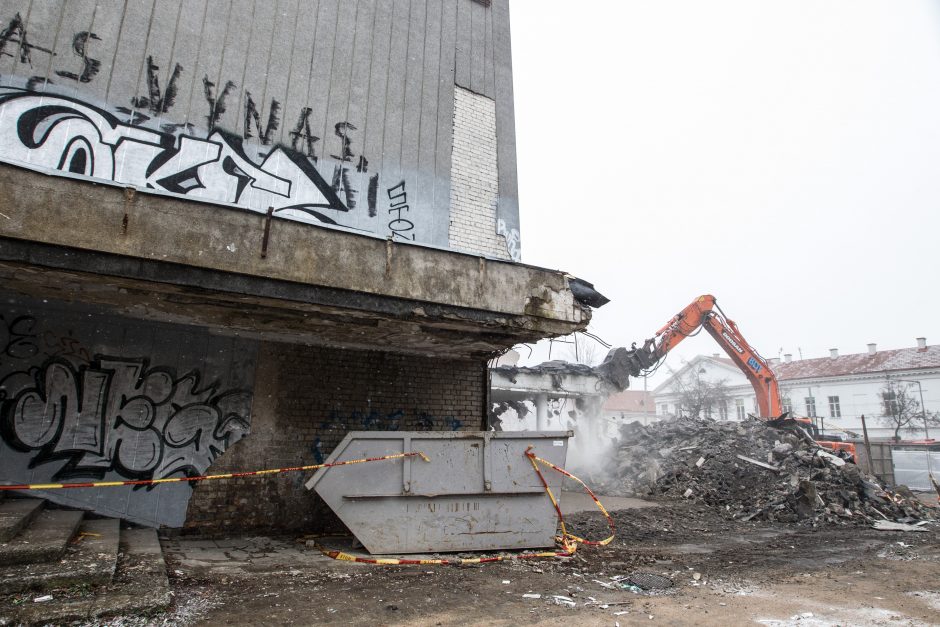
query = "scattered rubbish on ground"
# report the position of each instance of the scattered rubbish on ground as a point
(43, 599)
(563, 600)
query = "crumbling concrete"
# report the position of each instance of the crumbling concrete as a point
(750, 471)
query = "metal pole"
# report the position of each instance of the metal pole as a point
(871, 468)
(923, 410)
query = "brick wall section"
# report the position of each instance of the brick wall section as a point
(474, 190)
(305, 400)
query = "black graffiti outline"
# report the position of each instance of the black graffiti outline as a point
(252, 114)
(108, 423)
(158, 101)
(33, 129)
(15, 26)
(90, 66)
(20, 332)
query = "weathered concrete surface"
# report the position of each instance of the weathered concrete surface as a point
(79, 214)
(261, 308)
(15, 514)
(140, 584)
(44, 540)
(90, 563)
(96, 580)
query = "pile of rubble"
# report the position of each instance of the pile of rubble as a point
(750, 471)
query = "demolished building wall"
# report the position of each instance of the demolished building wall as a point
(170, 189)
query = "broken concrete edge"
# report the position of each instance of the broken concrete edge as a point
(43, 271)
(614, 372)
(103, 218)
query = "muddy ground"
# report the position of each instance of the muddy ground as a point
(725, 572)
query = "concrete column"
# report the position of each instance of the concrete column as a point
(541, 412)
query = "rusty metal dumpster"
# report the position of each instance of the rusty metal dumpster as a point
(478, 492)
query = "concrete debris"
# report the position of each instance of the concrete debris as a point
(805, 485)
(885, 525)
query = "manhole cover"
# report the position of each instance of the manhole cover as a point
(649, 581)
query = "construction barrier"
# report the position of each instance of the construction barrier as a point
(568, 541)
(231, 475)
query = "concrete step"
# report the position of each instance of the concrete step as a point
(44, 540)
(15, 514)
(90, 561)
(140, 584)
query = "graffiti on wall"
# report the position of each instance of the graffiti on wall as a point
(120, 415)
(67, 135)
(88, 396)
(154, 138)
(136, 145)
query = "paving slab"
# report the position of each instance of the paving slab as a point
(16, 514)
(89, 562)
(44, 540)
(140, 585)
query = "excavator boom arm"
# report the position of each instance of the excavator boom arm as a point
(704, 313)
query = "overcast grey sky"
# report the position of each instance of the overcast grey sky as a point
(783, 156)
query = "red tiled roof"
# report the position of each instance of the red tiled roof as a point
(630, 400)
(861, 363)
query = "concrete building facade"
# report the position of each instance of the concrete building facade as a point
(233, 230)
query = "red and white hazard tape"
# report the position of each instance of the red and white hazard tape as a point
(231, 475)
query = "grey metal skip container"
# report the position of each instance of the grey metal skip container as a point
(478, 492)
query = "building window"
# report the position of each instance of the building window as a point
(834, 410)
(787, 405)
(664, 409)
(723, 410)
(890, 401)
(739, 408)
(810, 407)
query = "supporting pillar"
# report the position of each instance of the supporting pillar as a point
(541, 412)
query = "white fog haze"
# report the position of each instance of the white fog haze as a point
(783, 156)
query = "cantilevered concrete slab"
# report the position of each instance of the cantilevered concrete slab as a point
(161, 257)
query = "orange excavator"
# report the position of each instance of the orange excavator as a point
(704, 312)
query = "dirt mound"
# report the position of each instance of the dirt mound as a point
(750, 471)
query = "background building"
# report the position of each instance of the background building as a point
(835, 391)
(234, 230)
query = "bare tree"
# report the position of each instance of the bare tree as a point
(901, 409)
(584, 350)
(699, 397)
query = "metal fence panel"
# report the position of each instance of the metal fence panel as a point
(911, 468)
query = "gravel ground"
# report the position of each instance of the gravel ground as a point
(723, 572)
